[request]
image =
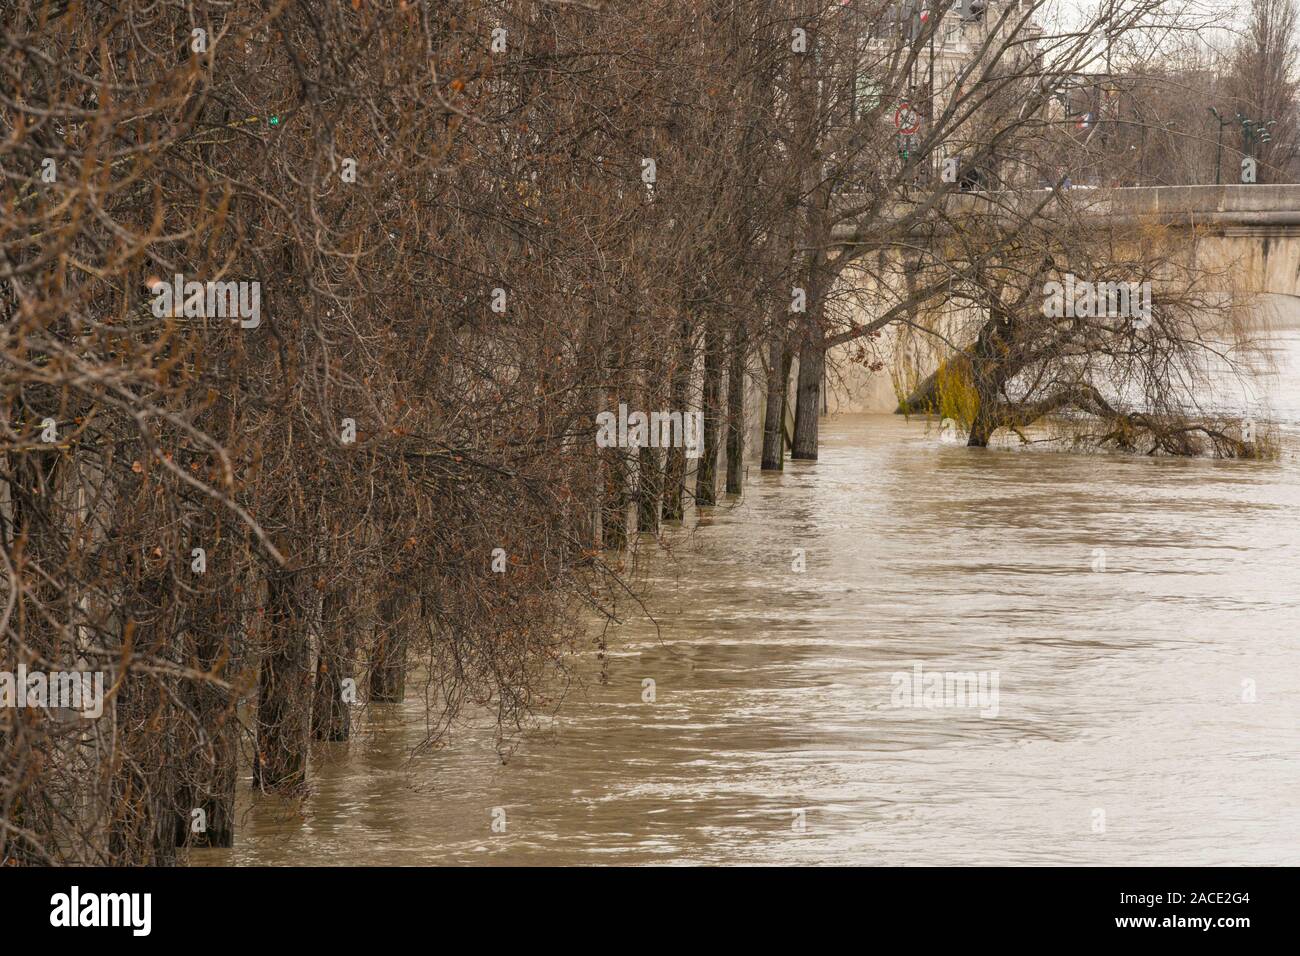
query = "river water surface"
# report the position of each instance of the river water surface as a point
(1125, 731)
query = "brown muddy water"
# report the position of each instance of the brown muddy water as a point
(1147, 713)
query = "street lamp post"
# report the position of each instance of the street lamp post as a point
(1218, 153)
(1254, 134)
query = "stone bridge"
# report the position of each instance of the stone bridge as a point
(1253, 229)
(1256, 226)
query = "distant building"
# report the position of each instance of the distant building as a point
(937, 74)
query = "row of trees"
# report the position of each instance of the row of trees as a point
(1167, 108)
(474, 226)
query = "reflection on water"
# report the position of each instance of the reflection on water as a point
(1120, 691)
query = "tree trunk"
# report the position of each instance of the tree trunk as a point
(212, 794)
(675, 465)
(981, 430)
(736, 413)
(284, 690)
(674, 483)
(924, 399)
(331, 715)
(812, 363)
(388, 653)
(990, 370)
(614, 501)
(706, 477)
(778, 379)
(648, 481)
(215, 799)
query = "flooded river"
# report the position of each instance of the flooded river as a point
(1141, 618)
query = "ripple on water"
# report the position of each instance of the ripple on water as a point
(774, 737)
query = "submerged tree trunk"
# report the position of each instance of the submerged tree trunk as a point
(614, 501)
(674, 484)
(778, 380)
(990, 369)
(284, 689)
(331, 714)
(924, 399)
(142, 815)
(388, 653)
(981, 430)
(674, 489)
(205, 814)
(706, 477)
(812, 365)
(648, 481)
(205, 805)
(736, 413)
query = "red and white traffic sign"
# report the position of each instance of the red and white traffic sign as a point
(907, 120)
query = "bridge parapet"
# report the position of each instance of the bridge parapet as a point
(1266, 208)
(1203, 200)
